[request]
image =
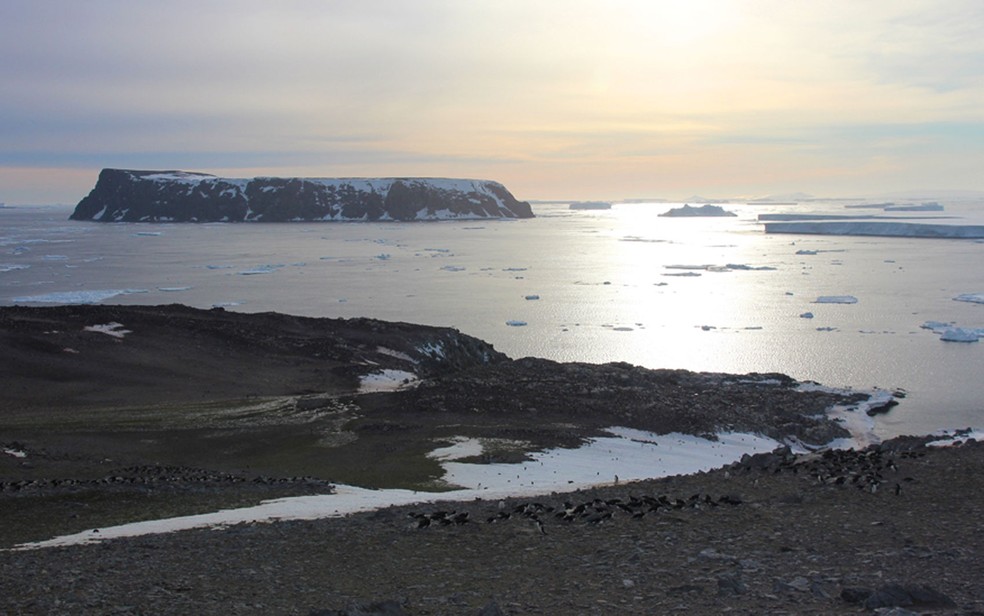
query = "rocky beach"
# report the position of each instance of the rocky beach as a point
(116, 414)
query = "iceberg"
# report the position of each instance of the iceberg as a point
(836, 299)
(976, 298)
(949, 332)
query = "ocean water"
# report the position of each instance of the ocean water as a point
(706, 294)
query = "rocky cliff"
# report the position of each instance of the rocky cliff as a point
(176, 196)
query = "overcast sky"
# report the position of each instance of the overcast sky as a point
(554, 98)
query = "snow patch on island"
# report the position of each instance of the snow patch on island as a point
(386, 380)
(113, 329)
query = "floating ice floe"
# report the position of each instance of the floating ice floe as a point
(976, 298)
(16, 453)
(260, 269)
(149, 233)
(76, 297)
(386, 380)
(836, 299)
(515, 323)
(113, 329)
(5, 267)
(453, 268)
(949, 332)
(173, 289)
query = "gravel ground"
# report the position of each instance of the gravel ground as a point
(774, 535)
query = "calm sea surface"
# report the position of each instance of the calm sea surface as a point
(707, 294)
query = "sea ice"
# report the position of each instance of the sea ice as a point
(4, 267)
(261, 269)
(173, 289)
(75, 297)
(977, 298)
(15, 453)
(836, 299)
(949, 332)
(959, 334)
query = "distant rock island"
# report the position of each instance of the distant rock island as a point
(704, 210)
(122, 195)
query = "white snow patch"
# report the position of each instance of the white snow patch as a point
(386, 380)
(113, 329)
(396, 354)
(434, 349)
(15, 453)
(461, 447)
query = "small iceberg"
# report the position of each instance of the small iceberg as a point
(976, 298)
(836, 299)
(949, 332)
(514, 323)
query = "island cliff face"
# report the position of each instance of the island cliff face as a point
(177, 196)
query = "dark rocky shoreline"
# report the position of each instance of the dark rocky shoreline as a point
(197, 410)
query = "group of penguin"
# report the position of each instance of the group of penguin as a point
(594, 511)
(866, 469)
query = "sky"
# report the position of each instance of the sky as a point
(556, 99)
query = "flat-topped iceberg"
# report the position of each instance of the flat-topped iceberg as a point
(883, 229)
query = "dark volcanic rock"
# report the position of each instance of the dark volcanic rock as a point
(176, 196)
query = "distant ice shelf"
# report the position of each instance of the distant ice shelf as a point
(881, 229)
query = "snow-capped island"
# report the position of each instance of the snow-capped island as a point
(705, 210)
(178, 196)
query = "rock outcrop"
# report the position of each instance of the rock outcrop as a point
(177, 196)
